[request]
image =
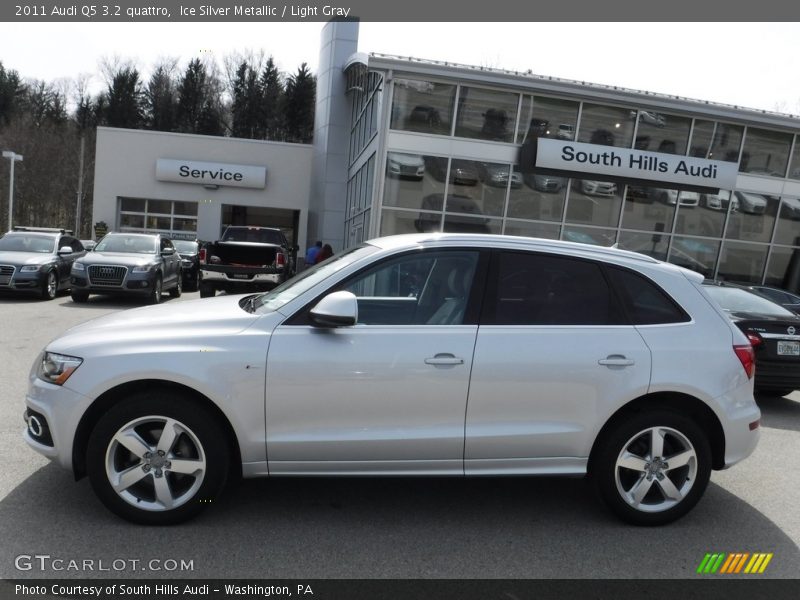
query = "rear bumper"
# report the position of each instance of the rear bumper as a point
(777, 375)
(741, 412)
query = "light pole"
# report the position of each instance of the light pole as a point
(12, 157)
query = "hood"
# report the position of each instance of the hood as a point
(25, 258)
(118, 258)
(406, 160)
(175, 322)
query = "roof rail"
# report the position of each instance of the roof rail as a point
(43, 229)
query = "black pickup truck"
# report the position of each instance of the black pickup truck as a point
(246, 259)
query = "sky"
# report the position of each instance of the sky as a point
(745, 64)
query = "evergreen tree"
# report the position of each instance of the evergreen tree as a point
(270, 114)
(246, 102)
(299, 112)
(209, 122)
(11, 92)
(160, 100)
(124, 100)
(191, 97)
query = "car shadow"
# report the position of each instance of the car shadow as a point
(516, 528)
(120, 302)
(780, 412)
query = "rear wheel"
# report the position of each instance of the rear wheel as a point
(652, 467)
(178, 289)
(157, 458)
(206, 291)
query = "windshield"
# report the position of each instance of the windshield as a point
(738, 300)
(291, 289)
(185, 246)
(136, 244)
(23, 242)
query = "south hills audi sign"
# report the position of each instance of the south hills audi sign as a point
(627, 164)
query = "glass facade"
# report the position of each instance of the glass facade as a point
(734, 234)
(141, 215)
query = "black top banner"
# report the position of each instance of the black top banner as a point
(398, 11)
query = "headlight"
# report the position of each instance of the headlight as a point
(30, 268)
(57, 368)
(145, 268)
(76, 266)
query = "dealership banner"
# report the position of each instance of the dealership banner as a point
(625, 163)
(211, 174)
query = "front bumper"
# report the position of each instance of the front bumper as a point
(26, 281)
(133, 283)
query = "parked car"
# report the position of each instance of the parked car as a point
(786, 299)
(461, 171)
(128, 264)
(411, 166)
(565, 131)
(38, 260)
(652, 118)
(468, 217)
(751, 203)
(790, 208)
(545, 183)
(189, 251)
(497, 175)
(88, 245)
(423, 118)
(574, 359)
(719, 201)
(598, 188)
(773, 331)
(673, 197)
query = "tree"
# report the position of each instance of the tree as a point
(160, 99)
(270, 109)
(199, 100)
(124, 99)
(11, 92)
(246, 94)
(299, 112)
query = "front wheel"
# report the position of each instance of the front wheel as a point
(652, 468)
(155, 292)
(157, 458)
(49, 286)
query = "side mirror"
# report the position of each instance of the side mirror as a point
(65, 250)
(167, 252)
(339, 309)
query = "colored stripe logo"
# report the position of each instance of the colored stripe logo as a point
(734, 563)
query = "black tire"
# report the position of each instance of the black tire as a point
(776, 393)
(79, 297)
(155, 292)
(617, 485)
(178, 289)
(49, 289)
(199, 440)
(206, 291)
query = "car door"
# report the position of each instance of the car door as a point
(553, 357)
(170, 262)
(388, 393)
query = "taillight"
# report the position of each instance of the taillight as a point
(202, 255)
(755, 339)
(748, 358)
(280, 260)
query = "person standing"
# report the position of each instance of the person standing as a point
(326, 252)
(311, 253)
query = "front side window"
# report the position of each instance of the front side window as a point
(417, 289)
(538, 289)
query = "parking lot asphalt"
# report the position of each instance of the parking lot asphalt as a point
(378, 528)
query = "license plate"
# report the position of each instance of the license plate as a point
(789, 348)
(240, 276)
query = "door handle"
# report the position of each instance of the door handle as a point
(444, 359)
(616, 360)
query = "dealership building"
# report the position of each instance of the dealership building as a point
(403, 145)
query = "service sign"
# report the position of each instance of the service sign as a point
(206, 173)
(635, 164)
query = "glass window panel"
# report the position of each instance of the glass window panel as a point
(607, 125)
(185, 208)
(136, 221)
(594, 202)
(589, 235)
(465, 224)
(423, 106)
(547, 117)
(495, 178)
(783, 269)
(788, 229)
(754, 217)
(650, 209)
(659, 132)
(179, 224)
(163, 207)
(742, 262)
(548, 231)
(538, 196)
(486, 114)
(132, 204)
(705, 218)
(717, 141)
(159, 223)
(414, 181)
(653, 244)
(395, 222)
(794, 168)
(694, 253)
(765, 152)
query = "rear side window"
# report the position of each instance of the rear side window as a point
(645, 302)
(538, 289)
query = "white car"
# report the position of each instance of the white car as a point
(673, 197)
(720, 201)
(399, 164)
(754, 204)
(598, 188)
(426, 354)
(565, 131)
